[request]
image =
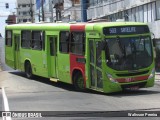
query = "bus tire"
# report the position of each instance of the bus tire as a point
(79, 82)
(28, 70)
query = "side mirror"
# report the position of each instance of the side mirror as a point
(153, 39)
(154, 42)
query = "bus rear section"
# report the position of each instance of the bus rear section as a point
(123, 59)
(9, 49)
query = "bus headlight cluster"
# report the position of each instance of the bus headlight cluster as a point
(152, 73)
(110, 77)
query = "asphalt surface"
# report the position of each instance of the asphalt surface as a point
(40, 94)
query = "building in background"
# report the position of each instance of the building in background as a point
(48, 10)
(72, 11)
(25, 11)
(147, 11)
(131, 10)
(58, 10)
(11, 19)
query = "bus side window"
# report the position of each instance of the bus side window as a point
(36, 40)
(77, 43)
(9, 38)
(26, 39)
(64, 42)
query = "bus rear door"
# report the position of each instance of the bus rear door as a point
(52, 40)
(16, 51)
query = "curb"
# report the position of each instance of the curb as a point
(0, 67)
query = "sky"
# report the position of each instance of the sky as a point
(4, 12)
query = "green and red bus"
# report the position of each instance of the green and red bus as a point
(104, 56)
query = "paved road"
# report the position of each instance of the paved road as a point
(40, 94)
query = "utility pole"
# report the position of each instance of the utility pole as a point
(31, 11)
(39, 16)
(42, 10)
(51, 9)
(84, 10)
(58, 7)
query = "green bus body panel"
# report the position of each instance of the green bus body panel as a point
(9, 56)
(43, 64)
(41, 61)
(37, 60)
(64, 67)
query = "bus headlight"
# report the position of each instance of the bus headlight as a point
(111, 78)
(152, 73)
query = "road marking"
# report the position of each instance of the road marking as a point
(6, 105)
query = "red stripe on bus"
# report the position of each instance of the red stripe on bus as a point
(74, 65)
(77, 27)
(133, 79)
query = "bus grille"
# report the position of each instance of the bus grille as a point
(132, 74)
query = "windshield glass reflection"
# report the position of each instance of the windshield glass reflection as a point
(128, 53)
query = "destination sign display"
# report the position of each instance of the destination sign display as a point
(123, 30)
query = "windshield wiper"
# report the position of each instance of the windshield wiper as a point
(123, 50)
(106, 49)
(140, 37)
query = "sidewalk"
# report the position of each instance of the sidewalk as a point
(1, 50)
(0, 65)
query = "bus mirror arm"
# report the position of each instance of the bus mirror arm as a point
(153, 39)
(103, 45)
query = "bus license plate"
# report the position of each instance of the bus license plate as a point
(134, 88)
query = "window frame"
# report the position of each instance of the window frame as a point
(40, 40)
(63, 42)
(6, 39)
(43, 37)
(22, 39)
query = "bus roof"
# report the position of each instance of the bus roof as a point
(66, 26)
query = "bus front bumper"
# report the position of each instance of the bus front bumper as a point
(110, 87)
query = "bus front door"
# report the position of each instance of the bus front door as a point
(17, 54)
(95, 51)
(52, 55)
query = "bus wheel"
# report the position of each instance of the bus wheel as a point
(28, 70)
(79, 82)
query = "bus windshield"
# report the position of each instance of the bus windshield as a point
(130, 53)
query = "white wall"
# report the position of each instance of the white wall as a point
(71, 13)
(155, 28)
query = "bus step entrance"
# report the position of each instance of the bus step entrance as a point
(54, 79)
